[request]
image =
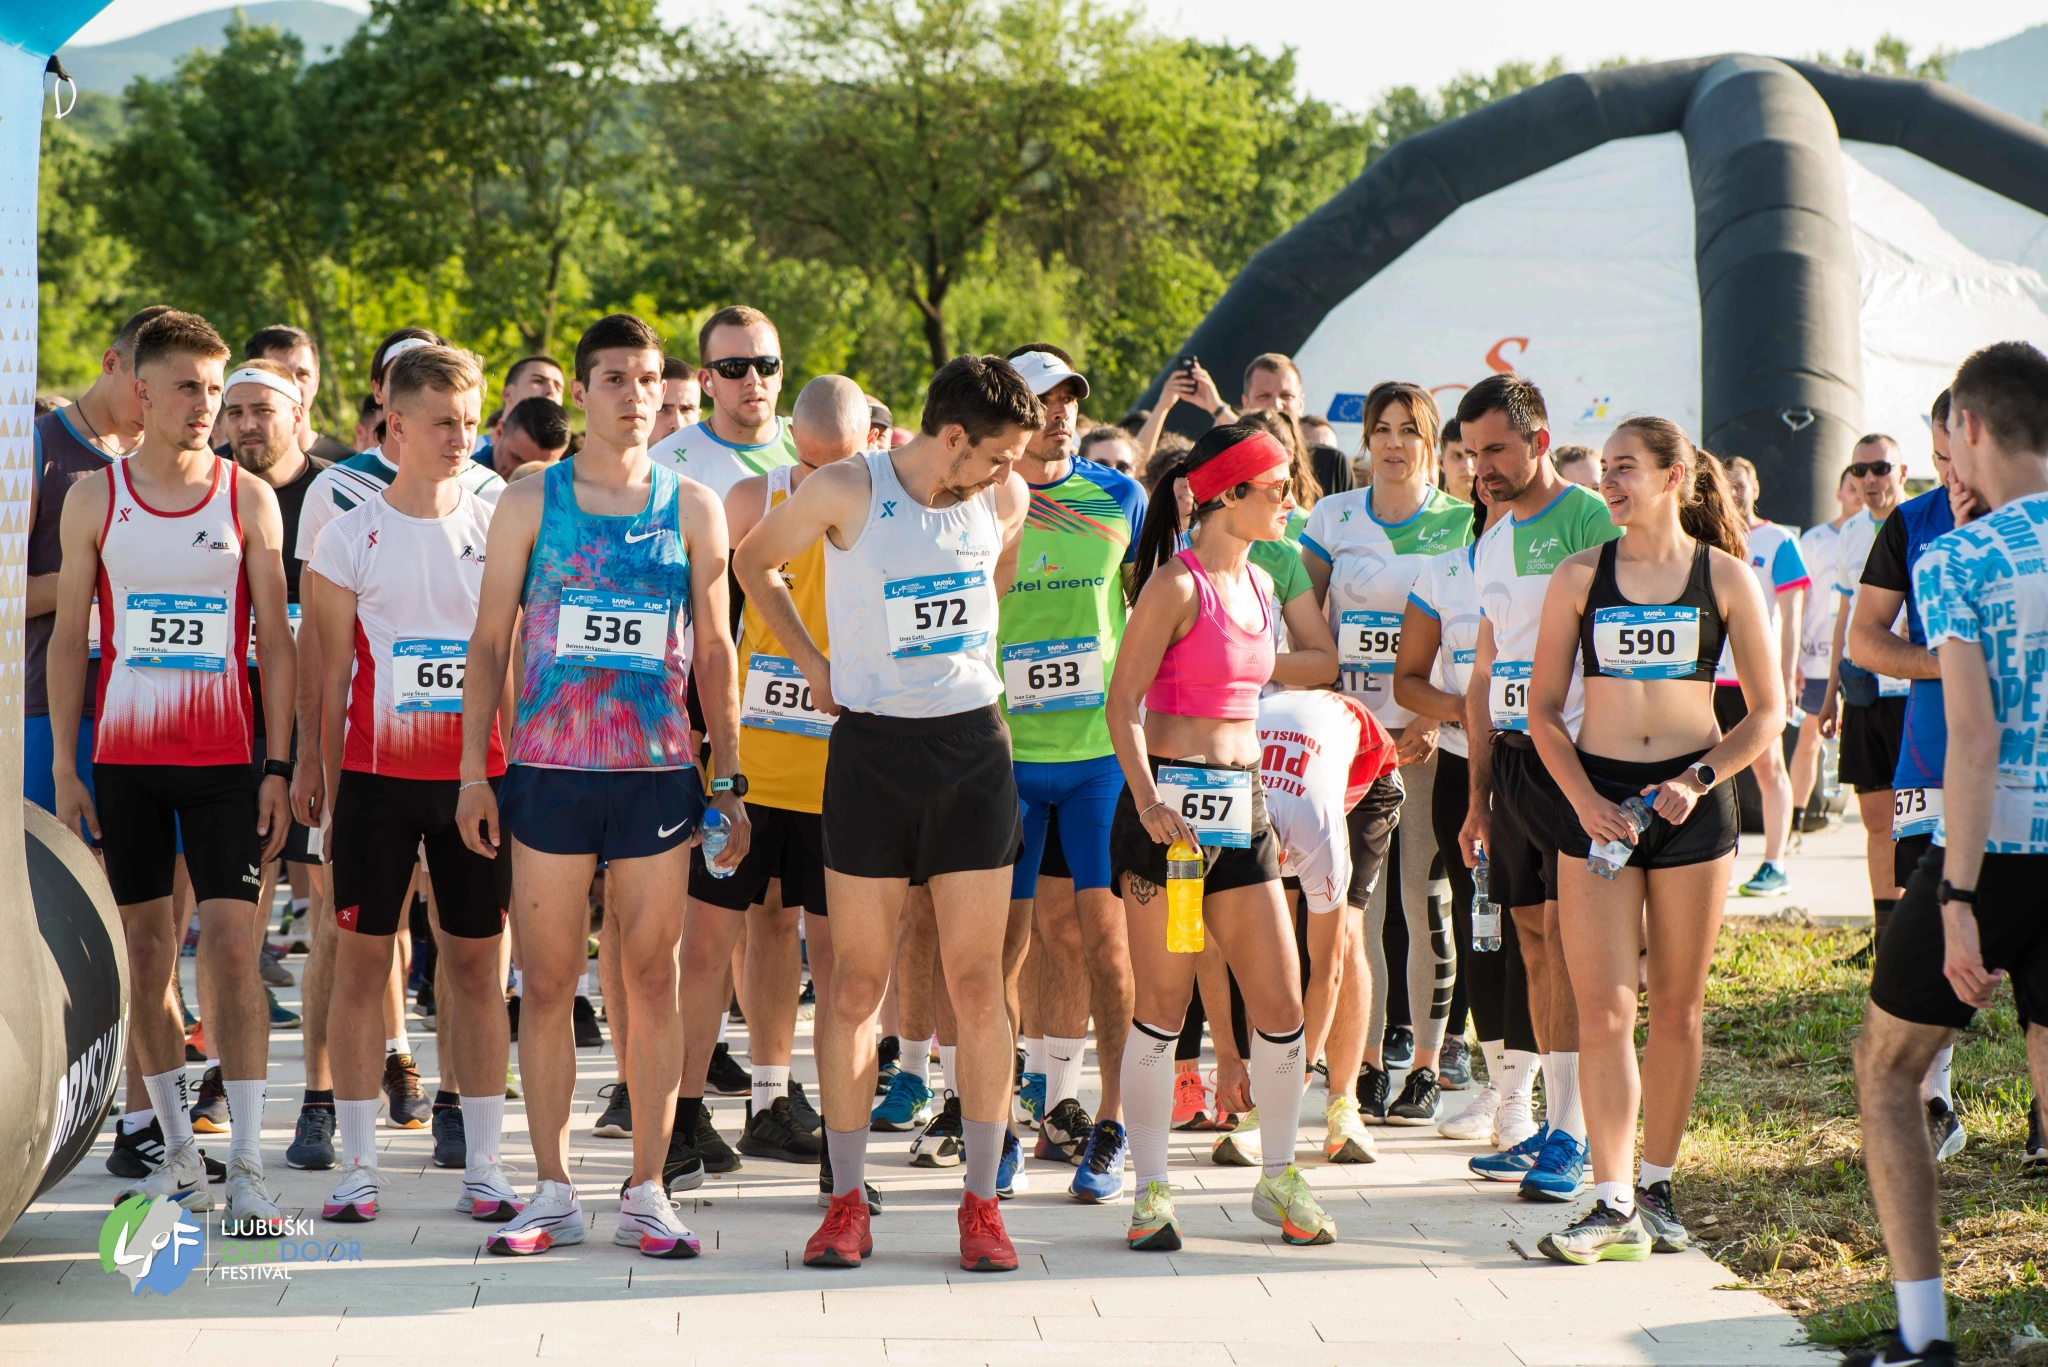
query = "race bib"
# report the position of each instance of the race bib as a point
(177, 631)
(1053, 676)
(1915, 811)
(291, 612)
(426, 676)
(613, 630)
(1635, 642)
(1893, 688)
(1507, 695)
(1368, 641)
(1216, 803)
(938, 614)
(778, 698)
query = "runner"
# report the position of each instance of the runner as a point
(1982, 597)
(1454, 476)
(394, 600)
(533, 432)
(1817, 547)
(919, 782)
(682, 399)
(612, 572)
(1646, 618)
(1507, 430)
(531, 377)
(176, 591)
(1364, 551)
(740, 370)
(293, 349)
(1057, 641)
(1196, 652)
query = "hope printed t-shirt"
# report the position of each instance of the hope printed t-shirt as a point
(1514, 562)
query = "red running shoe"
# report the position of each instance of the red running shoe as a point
(984, 1246)
(845, 1238)
(1191, 1108)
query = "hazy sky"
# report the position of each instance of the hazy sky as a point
(1351, 49)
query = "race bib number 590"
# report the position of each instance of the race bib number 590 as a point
(1658, 642)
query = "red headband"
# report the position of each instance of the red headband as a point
(1234, 465)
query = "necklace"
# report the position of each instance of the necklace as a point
(99, 442)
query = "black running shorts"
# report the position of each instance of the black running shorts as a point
(1132, 850)
(784, 844)
(1907, 979)
(1906, 855)
(916, 797)
(379, 825)
(1706, 835)
(1871, 737)
(1371, 825)
(143, 807)
(1521, 853)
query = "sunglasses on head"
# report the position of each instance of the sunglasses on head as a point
(736, 367)
(1870, 467)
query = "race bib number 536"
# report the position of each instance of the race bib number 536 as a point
(613, 630)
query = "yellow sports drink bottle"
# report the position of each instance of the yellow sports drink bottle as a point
(1184, 898)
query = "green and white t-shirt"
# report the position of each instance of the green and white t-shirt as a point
(698, 453)
(1514, 562)
(1373, 564)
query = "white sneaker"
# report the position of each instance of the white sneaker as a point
(648, 1221)
(249, 1196)
(487, 1194)
(552, 1216)
(355, 1196)
(1513, 1123)
(181, 1177)
(1240, 1147)
(1476, 1120)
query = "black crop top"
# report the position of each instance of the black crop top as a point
(1619, 639)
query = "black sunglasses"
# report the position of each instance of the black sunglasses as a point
(736, 367)
(1870, 467)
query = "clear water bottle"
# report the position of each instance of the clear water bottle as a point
(717, 830)
(1485, 914)
(1607, 860)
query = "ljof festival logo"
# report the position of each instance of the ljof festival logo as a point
(154, 1243)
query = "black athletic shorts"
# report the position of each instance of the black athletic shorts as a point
(1521, 856)
(1705, 836)
(784, 844)
(1871, 737)
(379, 825)
(1132, 849)
(1372, 824)
(298, 846)
(1906, 853)
(1907, 980)
(142, 809)
(1730, 706)
(915, 797)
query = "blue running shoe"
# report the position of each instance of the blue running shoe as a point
(1511, 1165)
(1560, 1170)
(1768, 882)
(1031, 1099)
(1101, 1175)
(907, 1107)
(1010, 1178)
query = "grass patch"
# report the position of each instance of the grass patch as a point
(1773, 1184)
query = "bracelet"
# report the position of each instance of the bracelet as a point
(1160, 803)
(473, 783)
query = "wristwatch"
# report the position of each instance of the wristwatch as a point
(1704, 775)
(736, 784)
(278, 768)
(1951, 893)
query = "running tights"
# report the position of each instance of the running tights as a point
(1411, 885)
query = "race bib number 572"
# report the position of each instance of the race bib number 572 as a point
(938, 614)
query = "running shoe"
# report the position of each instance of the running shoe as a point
(1191, 1101)
(1031, 1100)
(1559, 1172)
(423, 999)
(984, 1244)
(1399, 1048)
(941, 1144)
(1943, 1129)
(210, 1111)
(249, 1196)
(617, 1120)
(775, 1133)
(451, 1147)
(282, 1017)
(1063, 1134)
(312, 1146)
(807, 1002)
(805, 1114)
(725, 1077)
(845, 1238)
(136, 1155)
(1345, 1138)
(354, 1198)
(648, 1221)
(907, 1107)
(1240, 1147)
(1767, 882)
(1010, 1175)
(1419, 1099)
(1602, 1234)
(1154, 1227)
(511, 1084)
(1514, 1122)
(888, 1063)
(2035, 1154)
(195, 1043)
(1476, 1120)
(552, 1216)
(583, 1016)
(1454, 1065)
(873, 1193)
(1287, 1202)
(1511, 1164)
(1373, 1086)
(1660, 1217)
(710, 1144)
(410, 1109)
(1893, 1352)
(487, 1193)
(1100, 1176)
(216, 1171)
(271, 966)
(683, 1168)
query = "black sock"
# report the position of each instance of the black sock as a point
(686, 1115)
(447, 1098)
(318, 1098)
(1882, 909)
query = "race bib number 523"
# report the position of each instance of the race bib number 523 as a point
(177, 631)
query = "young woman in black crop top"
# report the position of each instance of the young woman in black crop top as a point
(1644, 617)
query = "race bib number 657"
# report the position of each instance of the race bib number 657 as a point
(1216, 803)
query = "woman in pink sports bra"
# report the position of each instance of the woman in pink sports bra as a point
(1183, 715)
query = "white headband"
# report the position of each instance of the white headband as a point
(400, 347)
(251, 375)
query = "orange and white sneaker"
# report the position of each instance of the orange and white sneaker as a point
(845, 1238)
(1192, 1104)
(984, 1245)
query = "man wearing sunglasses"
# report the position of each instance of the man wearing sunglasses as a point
(740, 371)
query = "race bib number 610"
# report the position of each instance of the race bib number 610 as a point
(1507, 695)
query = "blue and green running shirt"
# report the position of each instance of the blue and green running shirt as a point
(1514, 562)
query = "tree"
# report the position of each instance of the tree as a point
(84, 285)
(1892, 55)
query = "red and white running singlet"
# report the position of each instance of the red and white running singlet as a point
(174, 629)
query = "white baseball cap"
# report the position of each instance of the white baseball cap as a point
(1044, 372)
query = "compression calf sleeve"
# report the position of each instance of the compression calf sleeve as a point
(1147, 1079)
(1278, 1081)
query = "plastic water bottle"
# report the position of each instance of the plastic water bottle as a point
(1606, 860)
(717, 830)
(1485, 914)
(1184, 898)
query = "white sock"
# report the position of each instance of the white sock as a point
(1062, 1068)
(1923, 1313)
(357, 1121)
(1518, 1074)
(1034, 1055)
(1278, 1081)
(1561, 1094)
(1939, 1081)
(949, 1079)
(1618, 1195)
(483, 1127)
(401, 1043)
(724, 1023)
(1496, 1055)
(915, 1058)
(518, 983)
(169, 1099)
(1650, 1175)
(211, 1064)
(245, 1119)
(583, 988)
(136, 1120)
(1147, 1076)
(770, 1081)
(301, 906)
(1777, 864)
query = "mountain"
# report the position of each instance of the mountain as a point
(109, 67)
(2011, 74)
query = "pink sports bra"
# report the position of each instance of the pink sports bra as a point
(1218, 668)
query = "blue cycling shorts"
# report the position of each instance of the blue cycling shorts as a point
(1084, 792)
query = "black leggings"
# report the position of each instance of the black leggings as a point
(1496, 984)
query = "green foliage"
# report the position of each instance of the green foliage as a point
(1892, 55)
(83, 290)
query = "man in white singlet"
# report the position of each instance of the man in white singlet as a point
(1817, 547)
(740, 371)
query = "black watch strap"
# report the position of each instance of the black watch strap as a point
(278, 768)
(1951, 893)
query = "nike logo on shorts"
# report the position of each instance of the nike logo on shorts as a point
(631, 539)
(665, 832)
